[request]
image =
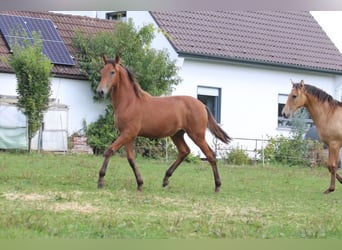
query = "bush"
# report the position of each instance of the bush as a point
(155, 148)
(191, 158)
(236, 155)
(102, 133)
(293, 151)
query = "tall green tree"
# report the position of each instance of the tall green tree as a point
(153, 69)
(32, 69)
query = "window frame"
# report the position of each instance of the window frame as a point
(213, 93)
(117, 15)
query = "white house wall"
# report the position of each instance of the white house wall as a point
(249, 95)
(249, 101)
(76, 94)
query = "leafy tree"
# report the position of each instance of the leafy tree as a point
(153, 69)
(32, 69)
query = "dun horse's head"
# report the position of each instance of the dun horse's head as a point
(295, 100)
(110, 75)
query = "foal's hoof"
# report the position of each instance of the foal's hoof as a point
(328, 191)
(165, 183)
(217, 189)
(100, 185)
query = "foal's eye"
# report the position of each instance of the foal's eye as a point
(294, 96)
(112, 72)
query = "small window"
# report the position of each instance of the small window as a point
(211, 97)
(117, 15)
(282, 121)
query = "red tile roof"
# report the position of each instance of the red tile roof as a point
(291, 39)
(67, 25)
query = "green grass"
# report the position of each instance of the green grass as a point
(56, 196)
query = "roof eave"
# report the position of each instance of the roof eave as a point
(258, 62)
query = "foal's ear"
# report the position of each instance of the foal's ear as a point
(117, 59)
(104, 59)
(292, 82)
(301, 84)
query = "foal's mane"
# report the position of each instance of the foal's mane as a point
(139, 92)
(319, 94)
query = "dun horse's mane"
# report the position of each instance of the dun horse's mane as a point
(139, 92)
(319, 94)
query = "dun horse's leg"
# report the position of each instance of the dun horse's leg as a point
(130, 157)
(332, 166)
(339, 178)
(209, 153)
(183, 151)
(117, 144)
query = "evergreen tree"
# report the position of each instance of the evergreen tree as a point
(32, 69)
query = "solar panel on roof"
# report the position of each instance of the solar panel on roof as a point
(17, 28)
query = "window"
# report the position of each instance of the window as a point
(117, 15)
(211, 97)
(287, 122)
(282, 121)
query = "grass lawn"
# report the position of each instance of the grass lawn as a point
(56, 196)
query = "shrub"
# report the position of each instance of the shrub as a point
(191, 158)
(102, 133)
(293, 151)
(155, 148)
(236, 155)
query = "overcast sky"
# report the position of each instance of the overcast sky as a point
(331, 22)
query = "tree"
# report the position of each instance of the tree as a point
(153, 69)
(32, 69)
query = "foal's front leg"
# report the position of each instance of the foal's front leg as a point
(117, 144)
(130, 157)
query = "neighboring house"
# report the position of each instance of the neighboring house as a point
(72, 97)
(240, 63)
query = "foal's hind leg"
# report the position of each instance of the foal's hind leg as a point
(183, 151)
(209, 153)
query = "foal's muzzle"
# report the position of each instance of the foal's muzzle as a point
(101, 93)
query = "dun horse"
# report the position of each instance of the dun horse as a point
(137, 113)
(327, 116)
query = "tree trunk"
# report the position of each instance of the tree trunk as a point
(29, 144)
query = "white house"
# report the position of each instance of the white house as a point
(241, 63)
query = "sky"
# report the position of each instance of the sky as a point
(331, 22)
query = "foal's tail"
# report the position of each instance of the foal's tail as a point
(216, 130)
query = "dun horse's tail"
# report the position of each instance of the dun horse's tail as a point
(216, 130)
